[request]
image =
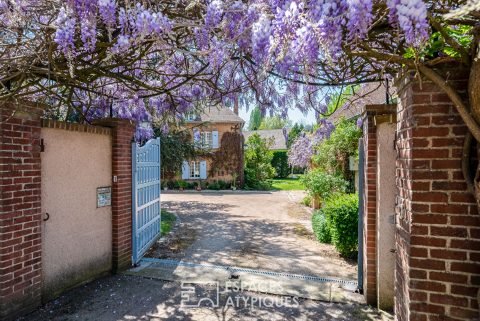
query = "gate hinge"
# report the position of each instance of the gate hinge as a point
(42, 145)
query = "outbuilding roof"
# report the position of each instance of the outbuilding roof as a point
(278, 135)
(368, 94)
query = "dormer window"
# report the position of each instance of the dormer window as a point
(191, 117)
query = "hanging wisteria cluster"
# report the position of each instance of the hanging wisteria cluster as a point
(303, 148)
(301, 151)
(144, 60)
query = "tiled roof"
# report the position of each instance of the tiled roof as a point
(368, 94)
(218, 115)
(278, 135)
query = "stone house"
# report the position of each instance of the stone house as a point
(212, 131)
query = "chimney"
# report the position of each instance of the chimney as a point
(235, 105)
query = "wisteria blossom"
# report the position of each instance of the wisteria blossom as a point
(301, 151)
(149, 60)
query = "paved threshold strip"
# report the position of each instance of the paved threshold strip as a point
(329, 289)
(350, 283)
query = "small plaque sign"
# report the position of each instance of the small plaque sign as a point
(104, 196)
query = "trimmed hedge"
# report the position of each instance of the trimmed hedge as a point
(341, 212)
(280, 163)
(337, 223)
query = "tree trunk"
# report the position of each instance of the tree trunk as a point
(474, 98)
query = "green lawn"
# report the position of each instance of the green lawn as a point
(168, 220)
(287, 184)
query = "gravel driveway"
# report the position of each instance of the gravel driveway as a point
(267, 231)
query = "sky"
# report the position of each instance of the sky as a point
(293, 114)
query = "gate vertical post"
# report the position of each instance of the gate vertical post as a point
(361, 195)
(134, 200)
(122, 136)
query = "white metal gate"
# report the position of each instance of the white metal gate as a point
(146, 197)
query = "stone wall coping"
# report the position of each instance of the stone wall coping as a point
(84, 128)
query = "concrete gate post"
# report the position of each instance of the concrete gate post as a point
(373, 116)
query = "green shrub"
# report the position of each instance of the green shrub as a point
(341, 213)
(307, 200)
(280, 163)
(317, 182)
(167, 222)
(257, 162)
(171, 184)
(321, 228)
(222, 184)
(214, 186)
(182, 184)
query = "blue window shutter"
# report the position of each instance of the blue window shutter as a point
(203, 169)
(214, 139)
(196, 136)
(185, 170)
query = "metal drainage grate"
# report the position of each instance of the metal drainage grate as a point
(251, 271)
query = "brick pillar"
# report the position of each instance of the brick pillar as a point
(20, 210)
(437, 223)
(370, 199)
(122, 136)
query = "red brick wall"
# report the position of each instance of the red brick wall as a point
(370, 199)
(438, 227)
(122, 135)
(20, 210)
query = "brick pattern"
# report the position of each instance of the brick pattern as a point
(50, 123)
(122, 135)
(20, 209)
(438, 226)
(370, 199)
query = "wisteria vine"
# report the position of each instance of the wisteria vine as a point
(146, 61)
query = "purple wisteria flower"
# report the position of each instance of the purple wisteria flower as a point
(301, 151)
(143, 59)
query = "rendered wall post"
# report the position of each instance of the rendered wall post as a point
(370, 199)
(386, 191)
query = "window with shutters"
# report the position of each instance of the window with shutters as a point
(194, 169)
(206, 139)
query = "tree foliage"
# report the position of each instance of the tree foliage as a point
(294, 133)
(280, 163)
(258, 158)
(176, 145)
(332, 154)
(274, 122)
(255, 119)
